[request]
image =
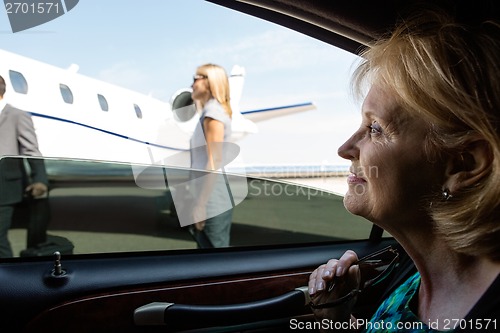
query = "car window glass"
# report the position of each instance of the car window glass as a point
(294, 178)
(102, 207)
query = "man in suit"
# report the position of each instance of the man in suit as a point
(17, 137)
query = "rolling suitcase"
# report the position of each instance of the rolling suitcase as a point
(200, 238)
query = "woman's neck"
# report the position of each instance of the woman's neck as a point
(451, 283)
(204, 100)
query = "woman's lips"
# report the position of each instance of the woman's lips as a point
(353, 179)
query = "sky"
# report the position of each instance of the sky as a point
(154, 47)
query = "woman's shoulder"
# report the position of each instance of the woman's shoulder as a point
(213, 109)
(213, 104)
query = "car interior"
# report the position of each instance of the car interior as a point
(114, 271)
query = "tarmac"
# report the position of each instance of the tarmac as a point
(126, 218)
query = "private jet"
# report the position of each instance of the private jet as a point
(76, 116)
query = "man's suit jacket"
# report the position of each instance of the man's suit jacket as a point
(17, 137)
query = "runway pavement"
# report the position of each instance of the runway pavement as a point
(127, 218)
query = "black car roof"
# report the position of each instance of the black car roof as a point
(352, 24)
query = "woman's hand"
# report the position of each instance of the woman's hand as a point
(199, 216)
(200, 226)
(334, 280)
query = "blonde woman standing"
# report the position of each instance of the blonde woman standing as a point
(211, 95)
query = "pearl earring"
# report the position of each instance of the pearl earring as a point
(446, 194)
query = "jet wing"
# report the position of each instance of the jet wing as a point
(269, 113)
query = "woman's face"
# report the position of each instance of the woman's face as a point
(390, 173)
(201, 90)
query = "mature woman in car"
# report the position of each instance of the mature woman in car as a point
(426, 168)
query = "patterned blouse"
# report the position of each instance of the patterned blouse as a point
(395, 315)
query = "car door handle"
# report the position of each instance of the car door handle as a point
(182, 316)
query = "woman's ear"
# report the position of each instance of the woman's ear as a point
(468, 167)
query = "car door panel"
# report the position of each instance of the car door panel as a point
(105, 292)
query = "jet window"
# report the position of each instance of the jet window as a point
(18, 81)
(103, 102)
(66, 93)
(138, 111)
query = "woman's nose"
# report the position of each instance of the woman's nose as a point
(349, 149)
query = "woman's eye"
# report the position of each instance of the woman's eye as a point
(375, 128)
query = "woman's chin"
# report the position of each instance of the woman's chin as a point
(354, 202)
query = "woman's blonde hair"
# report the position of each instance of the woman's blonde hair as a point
(448, 74)
(218, 83)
